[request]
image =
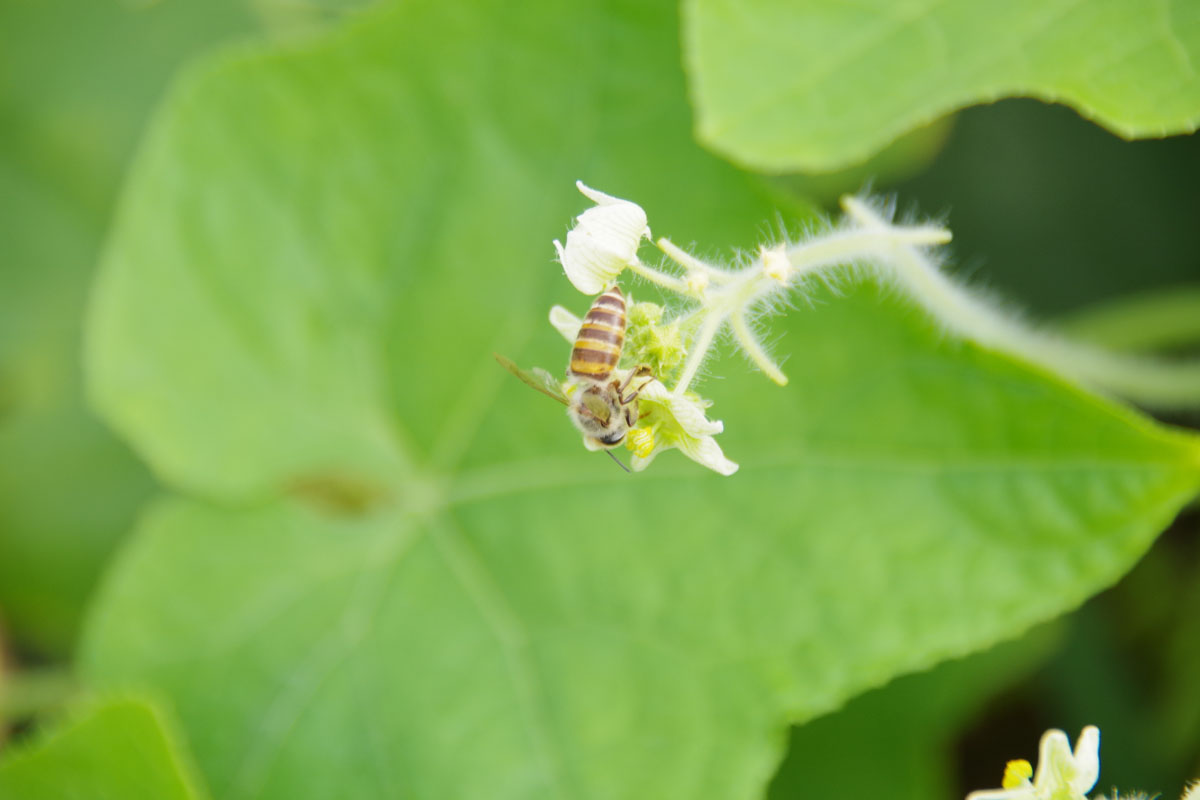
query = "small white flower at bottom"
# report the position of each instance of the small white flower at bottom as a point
(1061, 774)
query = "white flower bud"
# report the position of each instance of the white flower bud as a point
(776, 264)
(603, 242)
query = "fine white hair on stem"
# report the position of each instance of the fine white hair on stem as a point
(867, 243)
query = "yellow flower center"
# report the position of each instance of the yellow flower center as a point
(641, 441)
(1016, 773)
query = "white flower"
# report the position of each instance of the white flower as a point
(1061, 774)
(671, 421)
(603, 242)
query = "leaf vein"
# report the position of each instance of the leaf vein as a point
(510, 633)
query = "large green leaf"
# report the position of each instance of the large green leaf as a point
(818, 85)
(406, 578)
(76, 83)
(121, 749)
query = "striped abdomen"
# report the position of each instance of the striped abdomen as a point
(598, 346)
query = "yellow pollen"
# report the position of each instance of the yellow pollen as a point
(1016, 773)
(641, 441)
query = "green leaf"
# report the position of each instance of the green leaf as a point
(76, 83)
(820, 85)
(123, 749)
(909, 155)
(320, 249)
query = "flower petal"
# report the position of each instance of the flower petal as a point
(1019, 793)
(566, 323)
(639, 463)
(687, 413)
(692, 419)
(596, 196)
(707, 452)
(1087, 760)
(603, 242)
(1055, 761)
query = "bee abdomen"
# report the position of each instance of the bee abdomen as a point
(601, 337)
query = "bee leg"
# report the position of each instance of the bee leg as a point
(617, 389)
(631, 409)
(642, 371)
(627, 400)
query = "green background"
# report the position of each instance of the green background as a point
(1048, 209)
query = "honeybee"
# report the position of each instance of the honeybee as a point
(600, 408)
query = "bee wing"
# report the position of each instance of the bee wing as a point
(539, 379)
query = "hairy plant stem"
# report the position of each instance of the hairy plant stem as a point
(659, 278)
(895, 253)
(1149, 381)
(733, 295)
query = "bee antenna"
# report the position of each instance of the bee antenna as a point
(614, 458)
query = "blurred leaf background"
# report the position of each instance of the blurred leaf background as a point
(77, 83)
(1048, 209)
